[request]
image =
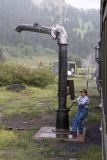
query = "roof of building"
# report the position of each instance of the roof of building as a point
(71, 62)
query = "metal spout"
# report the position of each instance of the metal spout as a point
(33, 28)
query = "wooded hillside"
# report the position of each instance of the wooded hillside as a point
(82, 25)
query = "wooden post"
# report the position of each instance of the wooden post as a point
(1, 55)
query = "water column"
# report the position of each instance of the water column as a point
(60, 35)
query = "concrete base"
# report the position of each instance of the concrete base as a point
(46, 132)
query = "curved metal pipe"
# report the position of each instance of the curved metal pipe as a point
(57, 32)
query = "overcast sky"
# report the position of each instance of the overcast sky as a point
(85, 3)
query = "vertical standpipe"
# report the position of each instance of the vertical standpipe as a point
(59, 34)
(62, 120)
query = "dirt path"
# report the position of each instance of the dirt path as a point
(93, 134)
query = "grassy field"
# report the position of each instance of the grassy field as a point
(18, 55)
(26, 102)
(28, 106)
(33, 61)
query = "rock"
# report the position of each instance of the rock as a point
(16, 87)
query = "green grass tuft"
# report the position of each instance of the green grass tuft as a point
(91, 153)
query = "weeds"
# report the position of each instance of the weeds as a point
(7, 138)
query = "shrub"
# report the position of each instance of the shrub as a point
(7, 138)
(16, 74)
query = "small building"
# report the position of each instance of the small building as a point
(70, 65)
